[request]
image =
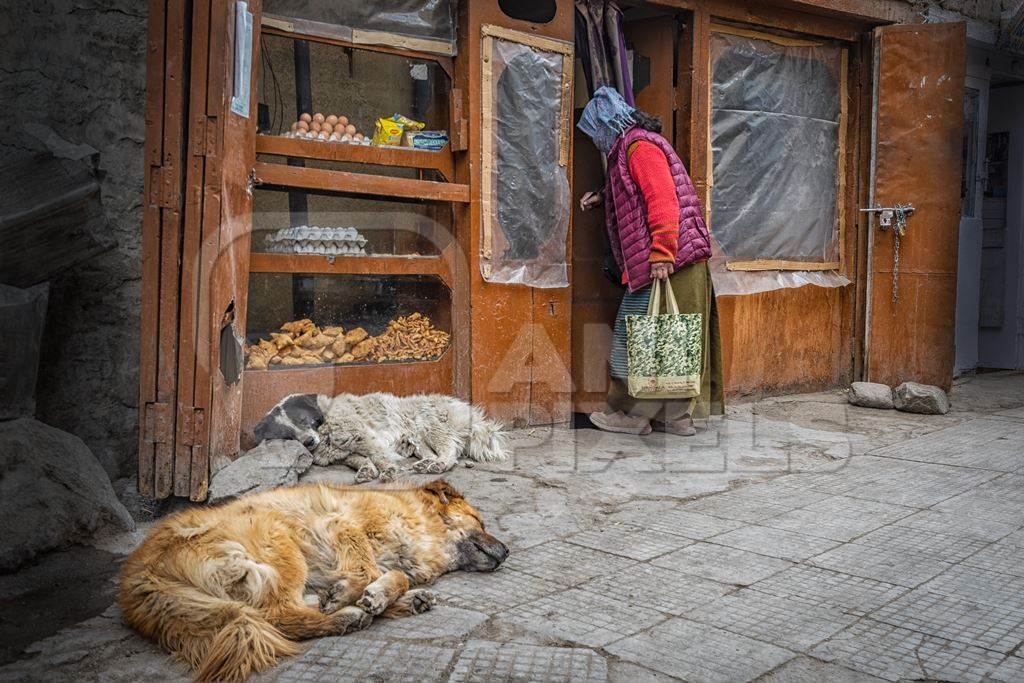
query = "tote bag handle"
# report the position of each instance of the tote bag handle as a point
(654, 304)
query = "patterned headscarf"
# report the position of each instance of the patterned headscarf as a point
(606, 117)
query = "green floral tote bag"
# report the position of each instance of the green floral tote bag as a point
(663, 350)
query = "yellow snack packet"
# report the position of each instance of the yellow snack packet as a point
(408, 123)
(387, 132)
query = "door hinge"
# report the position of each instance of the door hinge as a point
(191, 426)
(157, 421)
(163, 189)
(204, 136)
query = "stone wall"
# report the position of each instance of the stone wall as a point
(78, 68)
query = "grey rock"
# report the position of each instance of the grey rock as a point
(53, 492)
(926, 399)
(870, 395)
(271, 464)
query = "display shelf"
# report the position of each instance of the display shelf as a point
(401, 157)
(358, 183)
(351, 265)
(264, 388)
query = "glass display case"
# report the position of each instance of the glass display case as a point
(314, 319)
(353, 219)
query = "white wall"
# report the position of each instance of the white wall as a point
(1004, 347)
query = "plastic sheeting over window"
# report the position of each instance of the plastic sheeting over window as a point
(525, 185)
(776, 126)
(424, 25)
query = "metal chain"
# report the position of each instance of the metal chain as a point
(898, 231)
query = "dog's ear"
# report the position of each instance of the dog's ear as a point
(443, 490)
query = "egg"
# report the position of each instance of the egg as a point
(303, 125)
(335, 136)
(318, 117)
(326, 127)
(346, 137)
(295, 127)
(306, 117)
(331, 119)
(350, 129)
(358, 136)
(316, 127)
(343, 120)
(321, 135)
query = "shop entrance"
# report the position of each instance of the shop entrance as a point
(658, 44)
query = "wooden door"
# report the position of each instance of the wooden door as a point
(919, 86)
(654, 44)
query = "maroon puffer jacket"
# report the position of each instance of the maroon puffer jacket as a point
(625, 213)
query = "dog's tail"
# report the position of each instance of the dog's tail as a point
(488, 442)
(221, 639)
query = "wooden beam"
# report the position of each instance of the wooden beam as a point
(351, 265)
(403, 157)
(358, 183)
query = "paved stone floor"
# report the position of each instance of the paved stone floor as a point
(799, 539)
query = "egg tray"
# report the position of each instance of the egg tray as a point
(316, 240)
(322, 137)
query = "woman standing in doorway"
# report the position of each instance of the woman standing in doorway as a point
(656, 231)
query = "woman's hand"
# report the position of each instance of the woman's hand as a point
(590, 200)
(661, 270)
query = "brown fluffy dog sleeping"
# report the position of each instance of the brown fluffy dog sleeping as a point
(229, 589)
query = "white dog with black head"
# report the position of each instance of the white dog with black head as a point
(374, 432)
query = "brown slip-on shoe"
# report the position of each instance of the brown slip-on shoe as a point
(621, 424)
(681, 427)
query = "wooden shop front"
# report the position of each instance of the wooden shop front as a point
(285, 257)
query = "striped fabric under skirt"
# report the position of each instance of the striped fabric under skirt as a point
(632, 304)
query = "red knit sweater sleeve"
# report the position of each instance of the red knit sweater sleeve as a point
(649, 168)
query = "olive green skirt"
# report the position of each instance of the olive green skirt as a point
(694, 294)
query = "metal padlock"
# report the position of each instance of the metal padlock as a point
(885, 218)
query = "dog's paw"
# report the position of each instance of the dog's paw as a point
(332, 599)
(351, 618)
(374, 601)
(388, 474)
(431, 466)
(367, 472)
(420, 600)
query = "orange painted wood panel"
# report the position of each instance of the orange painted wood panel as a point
(919, 117)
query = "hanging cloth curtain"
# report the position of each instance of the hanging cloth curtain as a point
(601, 47)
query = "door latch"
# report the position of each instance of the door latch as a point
(887, 213)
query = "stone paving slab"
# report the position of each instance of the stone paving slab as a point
(582, 617)
(853, 594)
(882, 564)
(763, 540)
(1010, 671)
(992, 627)
(486, 662)
(939, 521)
(993, 509)
(438, 623)
(999, 557)
(697, 652)
(790, 622)
(808, 670)
(981, 443)
(673, 520)
(665, 590)
(629, 541)
(721, 563)
(838, 518)
(492, 591)
(949, 547)
(565, 563)
(358, 658)
(737, 509)
(980, 585)
(895, 653)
